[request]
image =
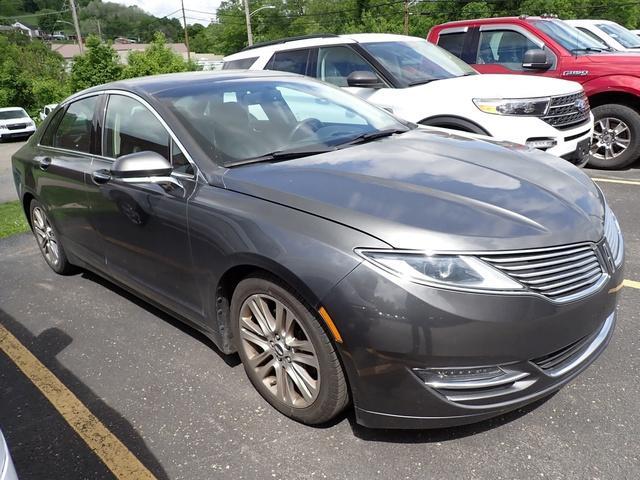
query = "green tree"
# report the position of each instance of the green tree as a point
(48, 20)
(98, 65)
(156, 59)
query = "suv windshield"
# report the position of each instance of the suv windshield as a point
(243, 120)
(620, 34)
(569, 37)
(415, 62)
(11, 114)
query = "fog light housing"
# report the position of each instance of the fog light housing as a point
(451, 375)
(541, 143)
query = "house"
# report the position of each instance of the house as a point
(68, 51)
(31, 32)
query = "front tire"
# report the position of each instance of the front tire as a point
(286, 354)
(616, 137)
(48, 239)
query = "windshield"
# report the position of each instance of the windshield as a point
(11, 114)
(569, 37)
(623, 36)
(239, 120)
(414, 62)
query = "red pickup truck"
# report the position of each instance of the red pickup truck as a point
(549, 47)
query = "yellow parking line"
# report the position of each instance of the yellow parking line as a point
(615, 180)
(122, 463)
(632, 284)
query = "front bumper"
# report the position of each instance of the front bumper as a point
(522, 129)
(391, 327)
(6, 134)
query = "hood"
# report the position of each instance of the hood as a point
(12, 121)
(429, 189)
(503, 86)
(619, 62)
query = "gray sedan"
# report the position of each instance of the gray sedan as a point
(426, 278)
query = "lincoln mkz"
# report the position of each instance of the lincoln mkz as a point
(425, 277)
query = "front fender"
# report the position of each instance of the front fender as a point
(613, 83)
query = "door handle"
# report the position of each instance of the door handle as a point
(45, 163)
(100, 177)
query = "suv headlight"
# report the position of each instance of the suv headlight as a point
(458, 271)
(613, 236)
(533, 107)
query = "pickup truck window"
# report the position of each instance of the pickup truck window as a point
(568, 37)
(505, 47)
(453, 42)
(589, 33)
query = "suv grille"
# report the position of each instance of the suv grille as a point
(17, 126)
(559, 273)
(564, 113)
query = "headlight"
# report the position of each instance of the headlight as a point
(458, 271)
(613, 235)
(535, 107)
(3, 127)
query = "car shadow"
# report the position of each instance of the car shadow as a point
(41, 443)
(230, 360)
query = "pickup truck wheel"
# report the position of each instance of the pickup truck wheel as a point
(616, 137)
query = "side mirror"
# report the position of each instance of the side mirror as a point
(364, 79)
(139, 168)
(141, 164)
(536, 59)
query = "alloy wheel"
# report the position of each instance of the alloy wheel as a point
(611, 138)
(45, 236)
(279, 350)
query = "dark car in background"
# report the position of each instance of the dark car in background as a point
(429, 278)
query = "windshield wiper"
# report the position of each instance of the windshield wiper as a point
(423, 82)
(278, 155)
(590, 49)
(367, 137)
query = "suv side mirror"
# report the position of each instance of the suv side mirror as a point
(363, 79)
(536, 59)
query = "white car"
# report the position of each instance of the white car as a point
(15, 123)
(7, 471)
(46, 110)
(425, 84)
(608, 33)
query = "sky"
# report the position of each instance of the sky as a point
(160, 8)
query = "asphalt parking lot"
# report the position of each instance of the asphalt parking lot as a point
(182, 410)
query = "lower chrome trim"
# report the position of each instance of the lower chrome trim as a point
(587, 352)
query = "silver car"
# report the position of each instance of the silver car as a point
(7, 471)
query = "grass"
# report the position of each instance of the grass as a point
(12, 219)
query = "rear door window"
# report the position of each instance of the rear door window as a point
(453, 42)
(292, 61)
(75, 129)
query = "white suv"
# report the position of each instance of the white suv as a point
(608, 33)
(15, 123)
(425, 84)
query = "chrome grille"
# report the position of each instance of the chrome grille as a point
(564, 113)
(559, 273)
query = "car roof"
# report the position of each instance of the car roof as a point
(315, 41)
(585, 21)
(492, 20)
(157, 83)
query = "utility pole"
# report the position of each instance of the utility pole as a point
(74, 14)
(406, 17)
(248, 15)
(186, 33)
(99, 29)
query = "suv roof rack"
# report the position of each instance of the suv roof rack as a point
(289, 39)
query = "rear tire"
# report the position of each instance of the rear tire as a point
(616, 137)
(48, 240)
(286, 354)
